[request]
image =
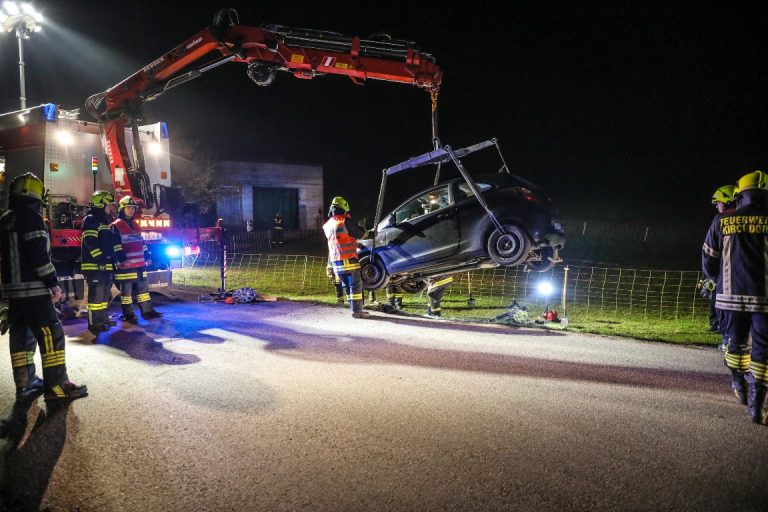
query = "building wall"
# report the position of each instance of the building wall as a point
(308, 179)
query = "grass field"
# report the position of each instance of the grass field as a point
(613, 322)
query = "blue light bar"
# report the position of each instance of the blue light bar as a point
(50, 112)
(163, 130)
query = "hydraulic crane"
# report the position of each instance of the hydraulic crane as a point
(265, 50)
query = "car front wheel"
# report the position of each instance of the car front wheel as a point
(373, 273)
(510, 247)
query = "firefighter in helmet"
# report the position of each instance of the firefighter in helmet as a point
(734, 256)
(723, 201)
(96, 263)
(342, 234)
(131, 260)
(435, 293)
(30, 286)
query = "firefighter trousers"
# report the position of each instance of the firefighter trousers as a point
(137, 283)
(34, 321)
(435, 296)
(395, 296)
(353, 285)
(738, 326)
(99, 295)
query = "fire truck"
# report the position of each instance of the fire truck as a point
(118, 152)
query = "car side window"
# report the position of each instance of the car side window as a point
(464, 192)
(429, 202)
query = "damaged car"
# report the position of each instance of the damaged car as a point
(460, 225)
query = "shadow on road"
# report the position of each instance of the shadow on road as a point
(374, 350)
(27, 468)
(454, 326)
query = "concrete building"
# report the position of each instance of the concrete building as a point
(257, 190)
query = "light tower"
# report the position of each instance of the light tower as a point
(21, 19)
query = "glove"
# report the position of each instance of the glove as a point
(329, 272)
(706, 288)
(4, 320)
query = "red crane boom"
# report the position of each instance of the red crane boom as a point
(265, 50)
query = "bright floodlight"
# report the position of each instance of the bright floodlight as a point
(155, 148)
(64, 138)
(21, 19)
(545, 288)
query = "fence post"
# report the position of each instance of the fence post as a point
(565, 290)
(223, 269)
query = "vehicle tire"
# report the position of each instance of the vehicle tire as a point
(545, 263)
(413, 285)
(373, 273)
(508, 249)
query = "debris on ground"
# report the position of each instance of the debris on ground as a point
(515, 315)
(244, 295)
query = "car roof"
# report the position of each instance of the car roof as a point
(500, 180)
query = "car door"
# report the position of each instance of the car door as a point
(423, 229)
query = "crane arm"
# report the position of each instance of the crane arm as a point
(266, 50)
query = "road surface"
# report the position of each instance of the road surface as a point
(289, 406)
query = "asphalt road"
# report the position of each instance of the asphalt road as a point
(286, 406)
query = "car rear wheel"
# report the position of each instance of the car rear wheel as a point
(545, 263)
(413, 285)
(373, 273)
(509, 248)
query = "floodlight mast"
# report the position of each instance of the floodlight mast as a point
(21, 19)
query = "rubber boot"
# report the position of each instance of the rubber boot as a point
(67, 390)
(756, 402)
(739, 386)
(149, 315)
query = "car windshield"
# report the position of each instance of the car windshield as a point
(435, 199)
(464, 192)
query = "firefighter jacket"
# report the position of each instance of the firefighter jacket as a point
(97, 245)
(342, 234)
(129, 246)
(734, 255)
(26, 269)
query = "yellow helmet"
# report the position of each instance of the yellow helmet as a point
(102, 198)
(341, 203)
(27, 185)
(753, 180)
(723, 194)
(127, 201)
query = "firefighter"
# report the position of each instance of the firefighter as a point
(734, 256)
(277, 229)
(723, 201)
(97, 250)
(131, 260)
(395, 296)
(30, 286)
(435, 293)
(342, 234)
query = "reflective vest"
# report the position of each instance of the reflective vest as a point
(132, 244)
(342, 247)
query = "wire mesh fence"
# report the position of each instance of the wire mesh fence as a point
(663, 294)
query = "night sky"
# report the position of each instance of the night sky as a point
(624, 111)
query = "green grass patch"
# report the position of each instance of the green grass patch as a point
(296, 283)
